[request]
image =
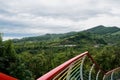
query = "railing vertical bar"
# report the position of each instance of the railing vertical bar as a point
(76, 74)
(90, 73)
(60, 74)
(69, 71)
(81, 68)
(75, 70)
(98, 74)
(63, 75)
(72, 69)
(104, 77)
(112, 75)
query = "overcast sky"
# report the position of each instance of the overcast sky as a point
(20, 18)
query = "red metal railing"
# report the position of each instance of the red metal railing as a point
(66, 67)
(6, 77)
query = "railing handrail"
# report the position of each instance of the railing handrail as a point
(109, 72)
(6, 77)
(55, 71)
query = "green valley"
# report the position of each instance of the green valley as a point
(31, 57)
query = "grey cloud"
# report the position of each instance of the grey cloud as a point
(66, 11)
(75, 12)
(59, 16)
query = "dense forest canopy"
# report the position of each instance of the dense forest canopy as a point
(31, 57)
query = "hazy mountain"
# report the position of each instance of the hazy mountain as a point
(96, 35)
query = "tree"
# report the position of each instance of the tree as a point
(0, 38)
(20, 70)
(7, 57)
(37, 64)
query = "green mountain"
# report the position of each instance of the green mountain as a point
(46, 37)
(84, 38)
(103, 30)
(97, 35)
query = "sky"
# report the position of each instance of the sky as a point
(21, 18)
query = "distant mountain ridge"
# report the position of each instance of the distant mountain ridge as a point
(103, 30)
(46, 37)
(100, 30)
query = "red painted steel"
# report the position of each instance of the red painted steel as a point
(52, 73)
(6, 77)
(57, 70)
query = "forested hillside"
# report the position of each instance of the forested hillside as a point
(46, 37)
(103, 30)
(31, 57)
